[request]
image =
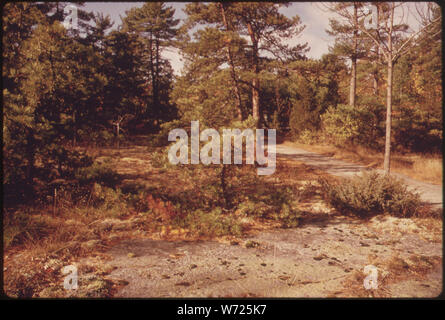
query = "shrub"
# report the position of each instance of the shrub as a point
(108, 198)
(212, 223)
(162, 209)
(159, 159)
(24, 225)
(98, 173)
(288, 217)
(308, 137)
(371, 193)
(276, 205)
(346, 124)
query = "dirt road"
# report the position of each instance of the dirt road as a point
(430, 193)
(325, 256)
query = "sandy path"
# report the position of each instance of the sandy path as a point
(430, 193)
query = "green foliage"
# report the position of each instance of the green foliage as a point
(352, 125)
(111, 201)
(416, 130)
(288, 217)
(155, 28)
(101, 173)
(212, 223)
(279, 205)
(160, 139)
(305, 112)
(309, 137)
(159, 159)
(24, 225)
(371, 193)
(312, 92)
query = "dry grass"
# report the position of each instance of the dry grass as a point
(390, 271)
(35, 236)
(84, 231)
(422, 167)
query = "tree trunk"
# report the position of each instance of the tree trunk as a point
(232, 67)
(375, 81)
(30, 159)
(256, 100)
(152, 72)
(117, 134)
(156, 78)
(223, 177)
(390, 63)
(256, 79)
(375, 73)
(74, 128)
(352, 88)
(386, 162)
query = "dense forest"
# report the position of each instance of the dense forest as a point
(64, 88)
(69, 92)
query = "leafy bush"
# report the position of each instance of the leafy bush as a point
(416, 130)
(210, 223)
(108, 198)
(371, 193)
(98, 173)
(160, 139)
(275, 205)
(346, 124)
(288, 217)
(159, 159)
(308, 137)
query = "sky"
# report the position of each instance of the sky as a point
(312, 15)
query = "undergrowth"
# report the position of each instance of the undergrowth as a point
(371, 193)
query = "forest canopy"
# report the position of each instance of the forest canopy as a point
(95, 85)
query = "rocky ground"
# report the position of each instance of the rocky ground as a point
(325, 256)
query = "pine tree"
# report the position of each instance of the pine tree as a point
(155, 24)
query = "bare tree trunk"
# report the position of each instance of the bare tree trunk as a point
(30, 159)
(156, 78)
(386, 163)
(74, 128)
(223, 177)
(256, 79)
(389, 57)
(117, 134)
(232, 66)
(375, 82)
(375, 73)
(153, 72)
(256, 100)
(352, 88)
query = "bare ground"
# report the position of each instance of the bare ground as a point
(324, 257)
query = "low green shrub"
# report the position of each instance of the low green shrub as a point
(357, 125)
(213, 223)
(102, 173)
(25, 225)
(289, 217)
(159, 159)
(371, 193)
(309, 137)
(279, 205)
